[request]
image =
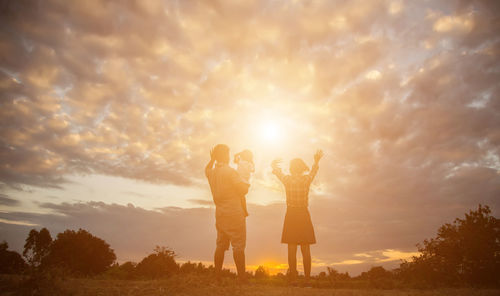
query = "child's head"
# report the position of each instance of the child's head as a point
(298, 166)
(221, 153)
(246, 155)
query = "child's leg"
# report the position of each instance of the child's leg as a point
(292, 260)
(306, 259)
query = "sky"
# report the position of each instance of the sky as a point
(109, 110)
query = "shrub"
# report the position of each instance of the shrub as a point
(159, 264)
(125, 271)
(261, 273)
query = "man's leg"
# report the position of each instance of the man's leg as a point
(292, 260)
(222, 246)
(239, 243)
(306, 259)
(239, 260)
(218, 260)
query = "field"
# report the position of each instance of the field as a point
(199, 285)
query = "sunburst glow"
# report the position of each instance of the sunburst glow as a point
(271, 132)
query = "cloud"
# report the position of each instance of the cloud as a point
(202, 202)
(115, 94)
(5, 200)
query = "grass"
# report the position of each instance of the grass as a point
(201, 285)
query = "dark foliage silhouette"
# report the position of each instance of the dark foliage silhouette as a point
(334, 275)
(37, 246)
(11, 262)
(124, 271)
(466, 251)
(159, 264)
(191, 267)
(80, 253)
(378, 277)
(261, 273)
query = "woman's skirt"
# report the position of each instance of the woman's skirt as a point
(298, 228)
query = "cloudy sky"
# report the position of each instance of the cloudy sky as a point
(109, 109)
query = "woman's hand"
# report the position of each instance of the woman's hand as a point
(276, 164)
(318, 155)
(212, 156)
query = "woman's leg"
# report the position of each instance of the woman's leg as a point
(306, 257)
(292, 260)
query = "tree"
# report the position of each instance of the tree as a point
(465, 251)
(159, 264)
(81, 253)
(10, 261)
(37, 246)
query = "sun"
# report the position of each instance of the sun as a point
(270, 132)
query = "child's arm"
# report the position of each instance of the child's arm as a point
(240, 186)
(210, 164)
(315, 167)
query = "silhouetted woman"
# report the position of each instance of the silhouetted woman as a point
(298, 228)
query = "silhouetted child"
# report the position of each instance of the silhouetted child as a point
(245, 168)
(298, 228)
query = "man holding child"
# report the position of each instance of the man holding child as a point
(230, 217)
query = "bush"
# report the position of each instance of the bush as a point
(125, 271)
(159, 264)
(261, 273)
(379, 278)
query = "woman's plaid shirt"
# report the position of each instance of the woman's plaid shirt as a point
(297, 187)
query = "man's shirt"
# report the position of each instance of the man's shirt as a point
(297, 187)
(227, 188)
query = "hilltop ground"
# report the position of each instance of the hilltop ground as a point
(195, 285)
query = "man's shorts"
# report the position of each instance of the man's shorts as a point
(231, 230)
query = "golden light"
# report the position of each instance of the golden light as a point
(270, 132)
(271, 267)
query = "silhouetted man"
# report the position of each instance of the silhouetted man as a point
(227, 188)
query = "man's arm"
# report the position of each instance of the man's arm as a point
(210, 164)
(315, 167)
